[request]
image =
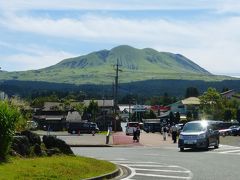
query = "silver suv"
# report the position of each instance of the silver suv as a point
(199, 134)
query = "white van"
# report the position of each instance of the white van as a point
(130, 127)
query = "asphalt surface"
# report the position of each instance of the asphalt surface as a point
(154, 158)
(168, 163)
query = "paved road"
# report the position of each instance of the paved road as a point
(167, 162)
(154, 158)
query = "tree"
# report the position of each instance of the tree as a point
(177, 117)
(189, 116)
(149, 115)
(227, 115)
(191, 92)
(225, 89)
(211, 104)
(79, 107)
(238, 115)
(92, 109)
(166, 99)
(171, 117)
(9, 116)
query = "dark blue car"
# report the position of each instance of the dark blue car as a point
(199, 134)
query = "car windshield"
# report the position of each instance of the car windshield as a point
(194, 127)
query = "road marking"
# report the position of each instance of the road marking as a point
(133, 172)
(161, 170)
(226, 152)
(155, 169)
(147, 165)
(163, 176)
(226, 149)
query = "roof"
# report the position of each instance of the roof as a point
(101, 103)
(50, 105)
(160, 108)
(227, 92)
(191, 101)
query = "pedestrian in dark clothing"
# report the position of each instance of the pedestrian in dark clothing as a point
(164, 133)
(136, 135)
(174, 133)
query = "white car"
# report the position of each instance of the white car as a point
(130, 127)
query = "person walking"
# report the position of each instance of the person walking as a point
(134, 134)
(138, 134)
(174, 133)
(164, 133)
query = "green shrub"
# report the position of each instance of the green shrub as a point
(9, 116)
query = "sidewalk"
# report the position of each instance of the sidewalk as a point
(146, 139)
(116, 139)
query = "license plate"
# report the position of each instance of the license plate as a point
(190, 141)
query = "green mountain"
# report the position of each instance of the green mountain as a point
(134, 64)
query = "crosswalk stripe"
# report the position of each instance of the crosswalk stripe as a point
(232, 151)
(161, 170)
(163, 176)
(146, 165)
(151, 168)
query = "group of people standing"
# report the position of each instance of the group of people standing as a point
(173, 130)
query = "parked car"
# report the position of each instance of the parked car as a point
(225, 132)
(130, 127)
(82, 127)
(199, 134)
(235, 130)
(32, 125)
(152, 127)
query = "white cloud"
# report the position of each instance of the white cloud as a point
(213, 44)
(207, 42)
(22, 62)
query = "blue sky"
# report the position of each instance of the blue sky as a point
(36, 34)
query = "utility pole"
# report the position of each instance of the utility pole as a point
(116, 88)
(116, 96)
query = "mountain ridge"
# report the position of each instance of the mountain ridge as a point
(136, 65)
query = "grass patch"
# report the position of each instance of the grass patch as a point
(103, 132)
(56, 167)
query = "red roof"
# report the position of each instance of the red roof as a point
(161, 108)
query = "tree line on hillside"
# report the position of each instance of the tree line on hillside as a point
(150, 88)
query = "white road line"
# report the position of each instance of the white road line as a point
(135, 167)
(228, 146)
(163, 176)
(138, 162)
(133, 172)
(160, 170)
(146, 165)
(232, 151)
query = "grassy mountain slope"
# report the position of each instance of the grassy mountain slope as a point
(135, 64)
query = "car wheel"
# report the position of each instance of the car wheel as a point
(182, 149)
(73, 132)
(217, 144)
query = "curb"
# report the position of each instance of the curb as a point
(111, 175)
(90, 145)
